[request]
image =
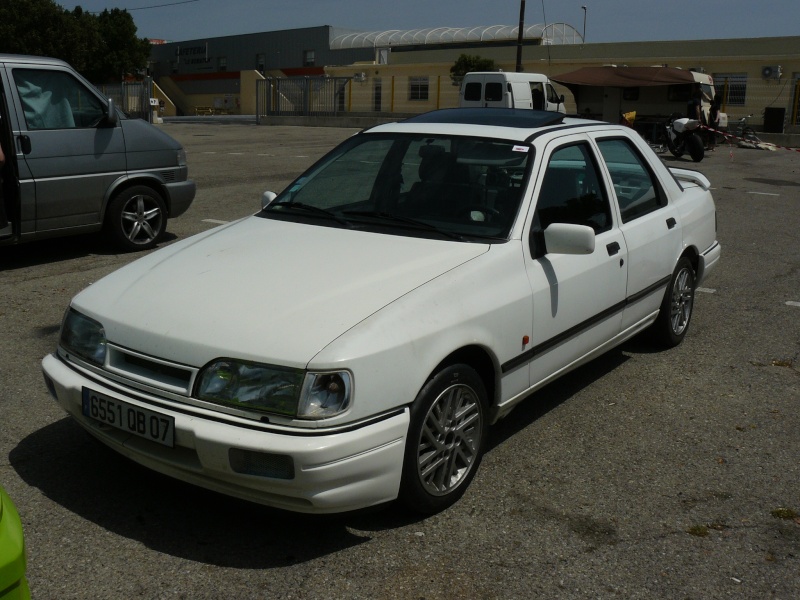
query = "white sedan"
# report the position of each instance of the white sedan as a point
(350, 343)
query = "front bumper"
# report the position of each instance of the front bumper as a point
(333, 471)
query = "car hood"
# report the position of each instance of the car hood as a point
(262, 290)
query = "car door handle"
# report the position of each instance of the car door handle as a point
(612, 248)
(671, 223)
(25, 144)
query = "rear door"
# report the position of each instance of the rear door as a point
(649, 223)
(65, 150)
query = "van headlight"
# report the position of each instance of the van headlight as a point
(271, 389)
(84, 337)
(181, 157)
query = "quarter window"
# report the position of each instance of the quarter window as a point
(56, 100)
(634, 184)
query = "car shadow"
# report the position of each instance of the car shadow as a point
(55, 250)
(92, 481)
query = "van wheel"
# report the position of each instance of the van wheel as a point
(136, 218)
(446, 438)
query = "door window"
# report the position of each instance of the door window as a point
(571, 191)
(494, 91)
(56, 100)
(636, 189)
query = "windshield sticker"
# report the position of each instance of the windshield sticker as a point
(520, 149)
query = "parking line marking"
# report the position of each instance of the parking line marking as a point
(763, 194)
(209, 152)
(236, 153)
(706, 290)
(792, 303)
(215, 221)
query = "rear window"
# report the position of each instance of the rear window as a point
(494, 92)
(472, 91)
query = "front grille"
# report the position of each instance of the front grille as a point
(151, 371)
(169, 176)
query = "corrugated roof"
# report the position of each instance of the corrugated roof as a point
(555, 33)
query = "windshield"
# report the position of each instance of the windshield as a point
(433, 185)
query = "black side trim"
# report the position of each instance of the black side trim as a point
(529, 355)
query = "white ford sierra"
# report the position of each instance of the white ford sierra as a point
(351, 342)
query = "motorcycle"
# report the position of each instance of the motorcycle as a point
(683, 134)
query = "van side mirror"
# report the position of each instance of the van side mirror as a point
(561, 99)
(111, 114)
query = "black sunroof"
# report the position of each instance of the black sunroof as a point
(502, 117)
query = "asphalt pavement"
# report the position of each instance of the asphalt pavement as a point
(645, 474)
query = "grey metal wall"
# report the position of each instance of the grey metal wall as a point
(282, 50)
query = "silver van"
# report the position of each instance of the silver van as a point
(76, 164)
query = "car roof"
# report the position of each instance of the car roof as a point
(28, 59)
(501, 123)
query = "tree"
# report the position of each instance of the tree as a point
(467, 63)
(101, 47)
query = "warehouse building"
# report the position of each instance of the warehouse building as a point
(321, 71)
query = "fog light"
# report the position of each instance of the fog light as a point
(261, 464)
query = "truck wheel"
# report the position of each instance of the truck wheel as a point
(136, 218)
(445, 440)
(673, 318)
(695, 147)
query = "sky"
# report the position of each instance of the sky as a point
(605, 20)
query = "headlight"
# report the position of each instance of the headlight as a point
(83, 336)
(181, 156)
(270, 389)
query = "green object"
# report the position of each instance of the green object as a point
(13, 585)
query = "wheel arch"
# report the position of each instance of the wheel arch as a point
(693, 255)
(128, 181)
(481, 361)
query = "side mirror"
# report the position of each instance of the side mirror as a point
(111, 113)
(267, 198)
(561, 99)
(566, 238)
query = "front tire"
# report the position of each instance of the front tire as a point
(673, 318)
(446, 438)
(136, 218)
(695, 146)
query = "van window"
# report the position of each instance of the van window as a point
(56, 100)
(537, 95)
(494, 91)
(472, 91)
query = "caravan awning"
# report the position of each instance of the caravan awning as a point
(624, 76)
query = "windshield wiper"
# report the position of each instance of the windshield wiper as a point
(310, 208)
(417, 224)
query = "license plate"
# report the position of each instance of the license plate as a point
(137, 421)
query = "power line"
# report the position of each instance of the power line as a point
(162, 5)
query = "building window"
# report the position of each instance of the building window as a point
(308, 58)
(222, 63)
(732, 88)
(261, 63)
(417, 88)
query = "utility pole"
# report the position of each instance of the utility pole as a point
(519, 35)
(584, 24)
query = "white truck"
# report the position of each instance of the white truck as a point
(497, 89)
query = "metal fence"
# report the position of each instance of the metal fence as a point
(301, 96)
(770, 104)
(773, 103)
(132, 97)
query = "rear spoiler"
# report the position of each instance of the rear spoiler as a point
(689, 176)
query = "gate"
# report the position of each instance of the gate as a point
(132, 97)
(301, 96)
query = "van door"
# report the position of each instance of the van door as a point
(521, 95)
(68, 153)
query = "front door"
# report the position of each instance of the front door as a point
(577, 299)
(65, 150)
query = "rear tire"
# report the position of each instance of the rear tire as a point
(445, 442)
(136, 218)
(673, 318)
